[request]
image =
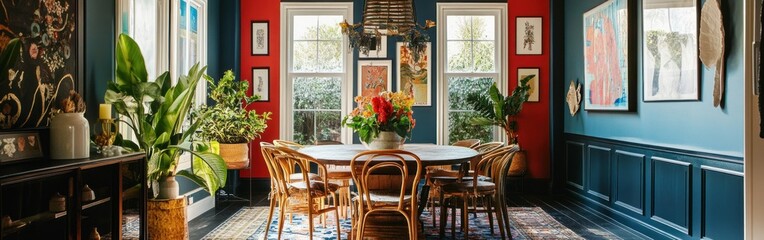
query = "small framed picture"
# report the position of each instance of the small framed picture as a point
(374, 77)
(16, 146)
(260, 83)
(376, 51)
(528, 38)
(533, 93)
(259, 38)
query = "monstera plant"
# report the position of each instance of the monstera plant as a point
(156, 113)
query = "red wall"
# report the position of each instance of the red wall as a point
(534, 119)
(533, 122)
(262, 10)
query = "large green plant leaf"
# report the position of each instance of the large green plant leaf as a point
(209, 170)
(131, 68)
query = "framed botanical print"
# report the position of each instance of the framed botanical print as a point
(374, 77)
(609, 57)
(528, 40)
(16, 146)
(260, 83)
(50, 61)
(376, 51)
(415, 78)
(260, 38)
(533, 92)
(670, 50)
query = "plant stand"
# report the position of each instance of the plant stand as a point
(167, 219)
(229, 191)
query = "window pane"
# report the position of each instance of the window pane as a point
(459, 88)
(329, 27)
(305, 28)
(330, 56)
(459, 56)
(145, 33)
(317, 93)
(304, 128)
(459, 128)
(328, 126)
(483, 28)
(484, 52)
(458, 28)
(304, 56)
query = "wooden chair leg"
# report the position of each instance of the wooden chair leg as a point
(270, 216)
(337, 220)
(489, 210)
(466, 216)
(500, 217)
(454, 203)
(443, 216)
(283, 205)
(310, 224)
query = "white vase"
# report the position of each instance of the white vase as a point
(385, 140)
(69, 136)
(168, 188)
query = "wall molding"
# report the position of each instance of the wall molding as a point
(669, 193)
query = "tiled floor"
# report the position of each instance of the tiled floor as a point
(569, 212)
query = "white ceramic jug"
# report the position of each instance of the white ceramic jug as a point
(69, 136)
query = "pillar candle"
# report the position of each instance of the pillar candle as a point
(104, 111)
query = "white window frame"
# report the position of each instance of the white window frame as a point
(499, 10)
(288, 10)
(201, 88)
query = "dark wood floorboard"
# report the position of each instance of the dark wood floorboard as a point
(571, 213)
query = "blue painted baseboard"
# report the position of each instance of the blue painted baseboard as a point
(663, 192)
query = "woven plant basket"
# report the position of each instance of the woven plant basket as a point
(167, 219)
(236, 155)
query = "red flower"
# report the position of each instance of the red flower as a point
(383, 108)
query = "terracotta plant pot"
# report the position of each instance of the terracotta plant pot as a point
(236, 155)
(167, 219)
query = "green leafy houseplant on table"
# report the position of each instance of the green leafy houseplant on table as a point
(228, 122)
(499, 110)
(156, 112)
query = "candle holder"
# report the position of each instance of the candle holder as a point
(106, 134)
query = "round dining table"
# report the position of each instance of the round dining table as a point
(430, 154)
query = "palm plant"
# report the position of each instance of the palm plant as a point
(156, 112)
(499, 110)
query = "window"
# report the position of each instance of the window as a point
(316, 75)
(190, 41)
(471, 57)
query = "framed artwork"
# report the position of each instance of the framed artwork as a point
(16, 146)
(374, 77)
(528, 39)
(415, 78)
(533, 93)
(670, 50)
(259, 38)
(50, 62)
(376, 52)
(609, 59)
(260, 83)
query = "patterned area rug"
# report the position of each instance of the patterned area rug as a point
(526, 223)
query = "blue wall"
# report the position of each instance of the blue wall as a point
(426, 116)
(99, 52)
(691, 125)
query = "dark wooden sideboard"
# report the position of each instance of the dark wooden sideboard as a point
(118, 210)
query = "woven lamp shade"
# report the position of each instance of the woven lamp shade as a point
(389, 14)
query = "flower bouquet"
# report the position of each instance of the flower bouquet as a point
(388, 114)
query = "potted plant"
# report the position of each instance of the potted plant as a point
(499, 110)
(384, 121)
(496, 109)
(228, 122)
(156, 113)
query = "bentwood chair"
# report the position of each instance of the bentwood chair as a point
(305, 197)
(293, 174)
(402, 200)
(436, 177)
(466, 190)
